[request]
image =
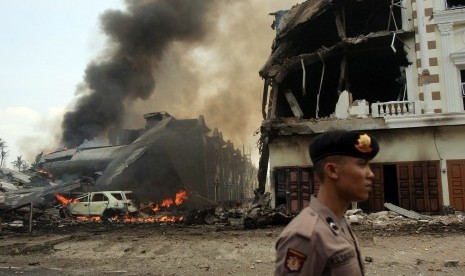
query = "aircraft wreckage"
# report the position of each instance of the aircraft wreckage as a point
(154, 162)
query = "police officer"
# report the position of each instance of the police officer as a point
(319, 241)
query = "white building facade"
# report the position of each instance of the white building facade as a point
(419, 123)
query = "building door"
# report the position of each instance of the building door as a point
(456, 179)
(419, 186)
(375, 202)
(293, 186)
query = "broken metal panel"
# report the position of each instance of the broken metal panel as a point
(15, 176)
(14, 199)
(59, 155)
(83, 162)
(167, 157)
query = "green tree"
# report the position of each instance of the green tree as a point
(18, 163)
(24, 166)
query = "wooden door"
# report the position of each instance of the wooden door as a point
(418, 191)
(375, 202)
(456, 179)
(403, 176)
(376, 199)
(293, 186)
(299, 189)
(433, 187)
(419, 186)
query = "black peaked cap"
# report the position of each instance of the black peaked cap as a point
(342, 142)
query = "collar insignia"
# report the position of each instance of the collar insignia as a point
(364, 144)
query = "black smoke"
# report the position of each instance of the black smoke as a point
(139, 36)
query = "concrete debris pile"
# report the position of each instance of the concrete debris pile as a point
(402, 219)
(260, 214)
(196, 211)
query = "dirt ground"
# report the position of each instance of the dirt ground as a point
(154, 249)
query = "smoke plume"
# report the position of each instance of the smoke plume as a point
(140, 36)
(205, 55)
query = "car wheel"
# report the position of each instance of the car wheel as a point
(109, 214)
(64, 213)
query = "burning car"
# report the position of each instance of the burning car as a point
(100, 205)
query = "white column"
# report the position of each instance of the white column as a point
(427, 96)
(411, 77)
(450, 72)
(405, 18)
(445, 183)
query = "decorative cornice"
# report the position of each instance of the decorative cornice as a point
(445, 28)
(449, 16)
(458, 58)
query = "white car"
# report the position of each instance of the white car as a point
(105, 204)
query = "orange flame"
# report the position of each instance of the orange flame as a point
(64, 200)
(164, 218)
(181, 196)
(94, 218)
(167, 202)
(156, 208)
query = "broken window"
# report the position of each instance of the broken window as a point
(99, 197)
(118, 196)
(452, 4)
(355, 46)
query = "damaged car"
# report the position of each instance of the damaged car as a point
(104, 204)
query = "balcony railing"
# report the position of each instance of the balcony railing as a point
(395, 108)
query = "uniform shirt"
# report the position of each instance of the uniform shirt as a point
(314, 243)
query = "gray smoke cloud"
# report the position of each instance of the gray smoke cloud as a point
(205, 55)
(140, 37)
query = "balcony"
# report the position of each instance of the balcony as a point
(395, 109)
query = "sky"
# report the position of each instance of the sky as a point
(46, 46)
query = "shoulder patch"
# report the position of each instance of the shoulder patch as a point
(294, 260)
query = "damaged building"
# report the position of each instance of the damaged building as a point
(395, 69)
(155, 162)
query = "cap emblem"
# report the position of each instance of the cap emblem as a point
(364, 144)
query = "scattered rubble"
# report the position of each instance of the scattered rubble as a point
(404, 221)
(25, 205)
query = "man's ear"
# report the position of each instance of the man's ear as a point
(331, 170)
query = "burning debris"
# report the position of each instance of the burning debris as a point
(120, 206)
(169, 154)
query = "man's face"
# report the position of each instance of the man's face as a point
(354, 181)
